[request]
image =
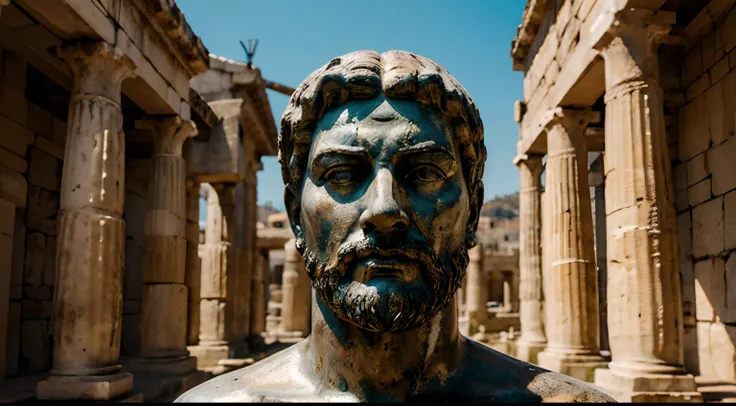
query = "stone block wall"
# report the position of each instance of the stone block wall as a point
(559, 34)
(137, 175)
(704, 172)
(32, 152)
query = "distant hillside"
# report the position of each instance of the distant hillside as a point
(505, 207)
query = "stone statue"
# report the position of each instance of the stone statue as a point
(382, 156)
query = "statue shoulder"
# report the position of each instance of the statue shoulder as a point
(559, 388)
(515, 380)
(268, 380)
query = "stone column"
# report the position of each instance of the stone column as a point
(296, 294)
(218, 263)
(237, 316)
(193, 272)
(165, 296)
(644, 297)
(572, 288)
(532, 339)
(273, 320)
(88, 295)
(598, 206)
(258, 289)
(476, 290)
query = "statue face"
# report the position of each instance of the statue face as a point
(384, 211)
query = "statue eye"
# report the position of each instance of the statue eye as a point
(426, 173)
(340, 175)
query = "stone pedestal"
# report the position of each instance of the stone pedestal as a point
(91, 242)
(296, 294)
(475, 306)
(532, 339)
(571, 291)
(644, 293)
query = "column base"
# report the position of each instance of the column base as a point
(209, 356)
(100, 387)
(528, 351)
(578, 366)
(648, 388)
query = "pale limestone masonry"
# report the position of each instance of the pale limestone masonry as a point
(296, 302)
(571, 286)
(533, 338)
(476, 290)
(660, 75)
(98, 219)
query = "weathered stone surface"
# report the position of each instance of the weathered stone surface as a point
(13, 104)
(91, 237)
(699, 192)
(729, 224)
(710, 289)
(34, 348)
(716, 351)
(708, 228)
(694, 131)
(684, 237)
(85, 388)
(44, 170)
(723, 166)
(164, 320)
(35, 258)
(697, 169)
(130, 344)
(37, 309)
(12, 344)
(42, 210)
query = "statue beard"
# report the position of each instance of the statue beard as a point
(394, 306)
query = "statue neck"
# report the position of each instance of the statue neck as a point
(383, 366)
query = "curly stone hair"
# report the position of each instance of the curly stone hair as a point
(363, 75)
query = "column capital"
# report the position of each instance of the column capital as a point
(169, 132)
(630, 45)
(528, 160)
(99, 69)
(569, 118)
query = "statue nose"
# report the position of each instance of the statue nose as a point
(383, 214)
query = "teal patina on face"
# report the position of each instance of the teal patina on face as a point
(382, 157)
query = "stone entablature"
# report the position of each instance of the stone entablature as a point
(149, 33)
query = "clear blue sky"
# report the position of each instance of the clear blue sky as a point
(470, 38)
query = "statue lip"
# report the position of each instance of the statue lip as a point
(397, 267)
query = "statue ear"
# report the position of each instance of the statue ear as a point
(293, 210)
(476, 203)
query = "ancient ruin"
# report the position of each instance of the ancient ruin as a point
(627, 115)
(611, 265)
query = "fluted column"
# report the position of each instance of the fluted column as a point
(193, 272)
(571, 300)
(90, 246)
(165, 296)
(532, 338)
(476, 290)
(644, 297)
(258, 289)
(219, 263)
(296, 293)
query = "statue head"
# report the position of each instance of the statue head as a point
(382, 156)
